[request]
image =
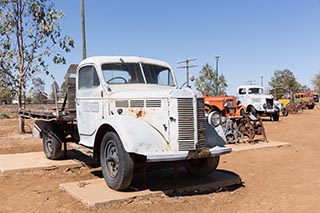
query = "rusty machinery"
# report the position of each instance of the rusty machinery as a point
(244, 129)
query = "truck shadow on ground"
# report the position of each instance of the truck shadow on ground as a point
(174, 181)
(170, 177)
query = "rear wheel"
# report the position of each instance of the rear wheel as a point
(311, 106)
(51, 145)
(202, 166)
(117, 165)
(285, 112)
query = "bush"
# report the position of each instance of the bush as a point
(4, 116)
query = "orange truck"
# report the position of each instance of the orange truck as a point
(225, 105)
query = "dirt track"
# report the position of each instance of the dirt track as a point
(282, 179)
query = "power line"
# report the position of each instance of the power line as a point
(187, 66)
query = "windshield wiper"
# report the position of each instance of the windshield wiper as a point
(126, 65)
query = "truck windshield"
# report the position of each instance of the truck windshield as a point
(131, 73)
(255, 91)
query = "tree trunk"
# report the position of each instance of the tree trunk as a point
(21, 125)
(21, 119)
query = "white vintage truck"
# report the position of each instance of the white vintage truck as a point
(129, 111)
(257, 102)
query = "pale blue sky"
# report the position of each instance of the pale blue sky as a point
(253, 37)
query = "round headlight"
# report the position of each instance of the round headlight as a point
(214, 118)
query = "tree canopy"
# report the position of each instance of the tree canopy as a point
(209, 82)
(283, 82)
(316, 82)
(37, 92)
(30, 35)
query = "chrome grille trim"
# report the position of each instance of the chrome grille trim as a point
(153, 103)
(186, 124)
(201, 123)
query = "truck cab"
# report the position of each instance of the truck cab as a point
(257, 102)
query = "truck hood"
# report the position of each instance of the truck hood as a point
(143, 91)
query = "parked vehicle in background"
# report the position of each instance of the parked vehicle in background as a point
(225, 105)
(257, 102)
(316, 98)
(238, 126)
(282, 109)
(306, 98)
(130, 111)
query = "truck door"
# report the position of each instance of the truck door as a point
(89, 103)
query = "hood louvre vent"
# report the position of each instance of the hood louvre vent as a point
(153, 103)
(122, 103)
(137, 103)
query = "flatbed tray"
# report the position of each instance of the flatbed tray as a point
(47, 115)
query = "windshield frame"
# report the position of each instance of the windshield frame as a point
(137, 73)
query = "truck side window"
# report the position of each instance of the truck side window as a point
(88, 77)
(242, 91)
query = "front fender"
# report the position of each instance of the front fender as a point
(138, 136)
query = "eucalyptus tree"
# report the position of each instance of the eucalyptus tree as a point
(209, 82)
(283, 82)
(316, 82)
(30, 36)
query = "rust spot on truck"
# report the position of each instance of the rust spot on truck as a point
(139, 114)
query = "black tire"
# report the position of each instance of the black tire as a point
(202, 166)
(51, 145)
(242, 113)
(116, 164)
(311, 106)
(253, 111)
(276, 116)
(285, 112)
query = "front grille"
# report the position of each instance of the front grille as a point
(269, 103)
(185, 124)
(201, 124)
(230, 103)
(231, 111)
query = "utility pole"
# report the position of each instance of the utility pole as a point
(187, 66)
(217, 72)
(83, 27)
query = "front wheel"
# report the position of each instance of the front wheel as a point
(253, 111)
(116, 164)
(202, 166)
